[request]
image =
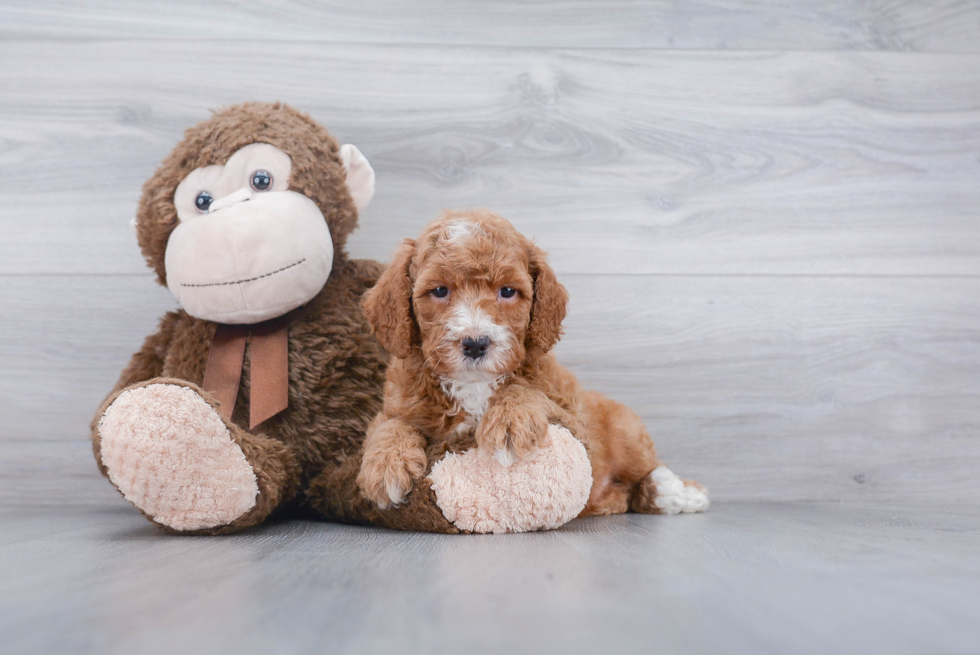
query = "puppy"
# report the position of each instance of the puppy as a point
(469, 312)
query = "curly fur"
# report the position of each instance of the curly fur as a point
(473, 255)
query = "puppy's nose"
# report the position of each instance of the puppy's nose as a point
(475, 348)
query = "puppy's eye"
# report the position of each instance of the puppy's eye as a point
(440, 292)
(508, 292)
(261, 180)
(203, 201)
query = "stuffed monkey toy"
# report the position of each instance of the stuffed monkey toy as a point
(253, 398)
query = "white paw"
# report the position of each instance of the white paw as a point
(673, 497)
(170, 454)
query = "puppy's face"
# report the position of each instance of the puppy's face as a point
(472, 297)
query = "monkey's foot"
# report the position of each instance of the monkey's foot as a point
(479, 494)
(170, 454)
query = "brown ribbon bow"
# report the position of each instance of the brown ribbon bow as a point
(268, 368)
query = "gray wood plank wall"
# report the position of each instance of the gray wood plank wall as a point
(767, 213)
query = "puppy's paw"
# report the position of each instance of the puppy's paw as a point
(662, 492)
(386, 475)
(510, 431)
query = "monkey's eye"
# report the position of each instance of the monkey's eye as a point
(440, 292)
(507, 292)
(203, 201)
(261, 180)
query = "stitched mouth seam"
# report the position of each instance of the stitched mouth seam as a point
(251, 279)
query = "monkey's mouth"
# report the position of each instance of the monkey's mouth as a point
(248, 279)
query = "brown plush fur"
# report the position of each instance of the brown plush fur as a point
(309, 454)
(474, 255)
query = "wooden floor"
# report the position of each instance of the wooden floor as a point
(767, 214)
(743, 578)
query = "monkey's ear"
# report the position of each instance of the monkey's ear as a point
(548, 306)
(388, 305)
(360, 175)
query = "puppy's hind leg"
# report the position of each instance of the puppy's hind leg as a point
(625, 464)
(662, 492)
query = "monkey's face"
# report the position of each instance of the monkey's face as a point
(247, 249)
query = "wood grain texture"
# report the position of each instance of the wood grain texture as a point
(900, 25)
(618, 161)
(774, 256)
(756, 579)
(767, 214)
(763, 388)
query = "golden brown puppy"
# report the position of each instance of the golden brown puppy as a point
(469, 312)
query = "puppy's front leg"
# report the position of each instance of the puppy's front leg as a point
(394, 456)
(516, 419)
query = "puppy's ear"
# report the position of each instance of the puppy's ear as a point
(548, 307)
(388, 305)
